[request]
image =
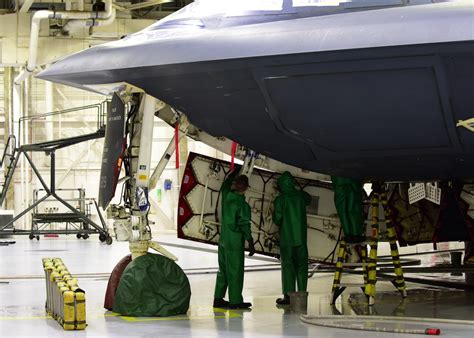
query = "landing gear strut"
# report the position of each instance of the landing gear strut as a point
(131, 218)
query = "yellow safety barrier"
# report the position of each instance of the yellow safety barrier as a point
(65, 301)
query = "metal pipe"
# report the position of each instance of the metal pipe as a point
(27, 176)
(53, 172)
(8, 98)
(33, 50)
(44, 14)
(72, 24)
(16, 112)
(160, 167)
(203, 205)
(38, 175)
(17, 109)
(146, 141)
(94, 20)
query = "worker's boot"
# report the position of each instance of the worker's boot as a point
(220, 302)
(242, 305)
(283, 301)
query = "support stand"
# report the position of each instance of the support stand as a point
(369, 264)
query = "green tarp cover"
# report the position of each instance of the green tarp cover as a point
(152, 285)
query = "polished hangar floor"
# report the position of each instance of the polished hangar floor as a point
(22, 296)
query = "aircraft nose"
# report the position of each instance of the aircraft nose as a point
(70, 64)
(47, 73)
(84, 61)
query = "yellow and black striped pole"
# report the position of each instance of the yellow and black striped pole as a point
(336, 285)
(363, 254)
(372, 260)
(399, 282)
(369, 264)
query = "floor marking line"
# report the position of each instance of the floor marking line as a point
(26, 318)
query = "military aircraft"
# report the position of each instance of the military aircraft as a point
(374, 90)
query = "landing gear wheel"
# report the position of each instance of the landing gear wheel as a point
(37, 238)
(108, 240)
(85, 236)
(78, 236)
(102, 237)
(31, 237)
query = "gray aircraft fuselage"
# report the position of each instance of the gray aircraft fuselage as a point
(371, 93)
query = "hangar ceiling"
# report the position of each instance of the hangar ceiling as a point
(146, 9)
(64, 34)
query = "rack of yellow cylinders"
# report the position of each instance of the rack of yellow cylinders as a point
(65, 301)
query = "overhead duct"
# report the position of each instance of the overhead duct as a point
(104, 18)
(93, 21)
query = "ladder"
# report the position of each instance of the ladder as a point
(49, 148)
(369, 263)
(10, 159)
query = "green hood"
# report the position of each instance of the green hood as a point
(234, 196)
(286, 182)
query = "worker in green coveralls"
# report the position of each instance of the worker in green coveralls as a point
(349, 199)
(290, 215)
(235, 230)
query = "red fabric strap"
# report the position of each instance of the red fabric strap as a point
(234, 148)
(176, 143)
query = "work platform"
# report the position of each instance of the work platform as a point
(77, 219)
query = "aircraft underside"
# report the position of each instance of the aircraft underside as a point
(386, 114)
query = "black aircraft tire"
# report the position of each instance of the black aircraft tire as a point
(102, 237)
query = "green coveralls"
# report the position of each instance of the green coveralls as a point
(348, 197)
(290, 215)
(235, 229)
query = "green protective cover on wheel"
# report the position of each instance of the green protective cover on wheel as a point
(152, 285)
(348, 197)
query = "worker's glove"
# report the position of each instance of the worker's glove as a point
(251, 248)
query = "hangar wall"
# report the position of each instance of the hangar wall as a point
(77, 166)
